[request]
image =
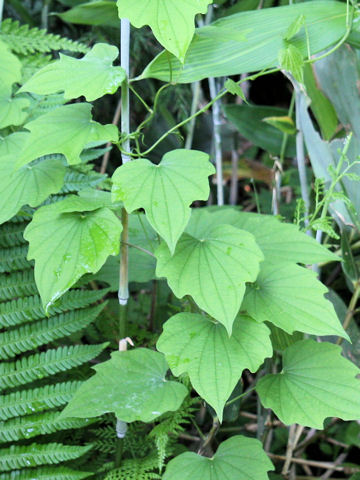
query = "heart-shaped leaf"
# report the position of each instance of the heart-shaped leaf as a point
(212, 268)
(132, 385)
(91, 76)
(12, 110)
(67, 130)
(279, 242)
(172, 22)
(30, 185)
(237, 458)
(67, 239)
(316, 383)
(166, 190)
(291, 297)
(194, 344)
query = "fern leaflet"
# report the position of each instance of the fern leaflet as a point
(24, 40)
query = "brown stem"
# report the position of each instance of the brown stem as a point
(294, 436)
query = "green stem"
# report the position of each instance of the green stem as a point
(119, 452)
(349, 23)
(123, 293)
(325, 204)
(221, 94)
(351, 309)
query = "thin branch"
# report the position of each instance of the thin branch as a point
(341, 458)
(115, 121)
(139, 248)
(351, 309)
(294, 437)
(311, 463)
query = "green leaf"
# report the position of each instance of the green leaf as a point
(316, 383)
(68, 239)
(325, 156)
(321, 106)
(249, 121)
(294, 27)
(10, 69)
(284, 123)
(141, 264)
(172, 23)
(234, 88)
(103, 12)
(207, 57)
(67, 130)
(132, 385)
(349, 264)
(285, 244)
(291, 60)
(30, 185)
(212, 268)
(166, 190)
(291, 297)
(238, 457)
(92, 76)
(12, 110)
(338, 76)
(202, 348)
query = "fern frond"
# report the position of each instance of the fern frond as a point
(44, 364)
(17, 284)
(75, 181)
(32, 63)
(25, 402)
(41, 104)
(45, 473)
(29, 336)
(28, 309)
(33, 455)
(38, 424)
(14, 258)
(23, 40)
(11, 234)
(135, 469)
(171, 425)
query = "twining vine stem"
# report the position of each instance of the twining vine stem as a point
(224, 91)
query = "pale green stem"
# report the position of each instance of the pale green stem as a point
(1, 10)
(123, 293)
(300, 152)
(194, 105)
(45, 14)
(216, 115)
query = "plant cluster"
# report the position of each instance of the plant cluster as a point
(217, 308)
